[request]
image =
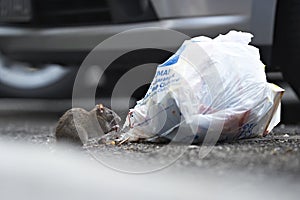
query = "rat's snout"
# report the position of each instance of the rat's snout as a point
(114, 124)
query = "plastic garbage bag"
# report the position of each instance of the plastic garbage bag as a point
(220, 80)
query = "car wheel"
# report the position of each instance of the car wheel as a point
(46, 81)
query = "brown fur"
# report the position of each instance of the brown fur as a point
(78, 124)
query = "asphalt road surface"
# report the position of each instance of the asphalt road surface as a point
(268, 164)
(277, 153)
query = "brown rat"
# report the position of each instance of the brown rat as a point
(80, 125)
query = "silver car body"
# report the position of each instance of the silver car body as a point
(192, 17)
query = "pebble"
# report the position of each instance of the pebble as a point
(193, 147)
(286, 135)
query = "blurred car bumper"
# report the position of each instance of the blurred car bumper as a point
(26, 43)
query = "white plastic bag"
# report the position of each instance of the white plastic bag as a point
(208, 81)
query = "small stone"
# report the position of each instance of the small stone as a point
(282, 126)
(286, 135)
(289, 150)
(193, 147)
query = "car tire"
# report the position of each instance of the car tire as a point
(48, 81)
(287, 41)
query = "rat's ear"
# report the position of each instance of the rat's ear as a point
(100, 108)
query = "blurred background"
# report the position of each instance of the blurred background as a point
(43, 42)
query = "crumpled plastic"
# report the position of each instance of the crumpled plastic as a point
(208, 83)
